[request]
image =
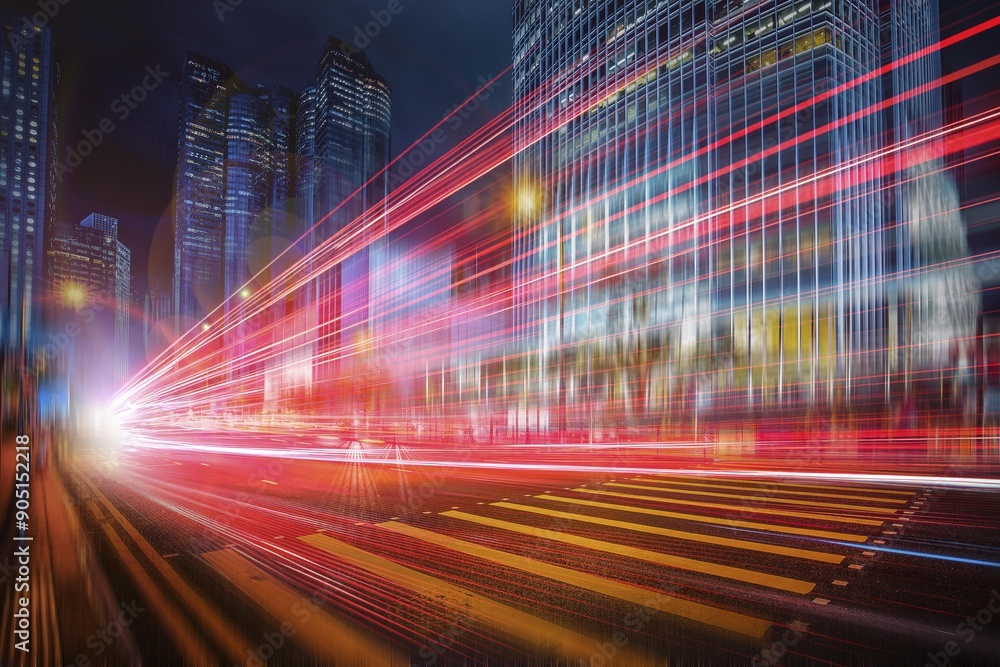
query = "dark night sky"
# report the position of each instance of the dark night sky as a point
(432, 53)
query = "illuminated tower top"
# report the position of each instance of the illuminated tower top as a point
(28, 77)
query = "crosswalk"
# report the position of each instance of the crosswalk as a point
(770, 537)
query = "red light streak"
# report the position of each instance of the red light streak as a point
(200, 373)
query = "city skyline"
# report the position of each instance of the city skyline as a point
(149, 221)
(517, 332)
(142, 147)
(233, 211)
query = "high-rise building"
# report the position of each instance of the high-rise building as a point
(249, 174)
(88, 277)
(28, 77)
(307, 171)
(281, 224)
(200, 188)
(123, 312)
(258, 167)
(938, 297)
(705, 225)
(234, 184)
(343, 149)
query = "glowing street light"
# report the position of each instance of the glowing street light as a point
(527, 200)
(73, 295)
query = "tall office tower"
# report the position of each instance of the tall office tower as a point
(704, 226)
(249, 174)
(939, 300)
(123, 313)
(200, 188)
(291, 371)
(88, 275)
(307, 171)
(28, 77)
(800, 278)
(234, 184)
(281, 224)
(343, 142)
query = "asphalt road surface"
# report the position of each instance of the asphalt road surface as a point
(276, 560)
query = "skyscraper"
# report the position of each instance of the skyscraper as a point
(249, 173)
(233, 185)
(123, 313)
(200, 188)
(88, 275)
(281, 224)
(343, 146)
(27, 137)
(257, 167)
(704, 227)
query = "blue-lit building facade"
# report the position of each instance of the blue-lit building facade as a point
(704, 229)
(262, 169)
(234, 206)
(88, 275)
(28, 76)
(343, 143)
(200, 189)
(249, 172)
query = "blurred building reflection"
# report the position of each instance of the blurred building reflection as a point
(88, 278)
(711, 234)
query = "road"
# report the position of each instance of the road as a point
(367, 560)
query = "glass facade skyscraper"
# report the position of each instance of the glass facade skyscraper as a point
(249, 173)
(88, 274)
(200, 189)
(257, 168)
(701, 220)
(233, 184)
(27, 138)
(343, 149)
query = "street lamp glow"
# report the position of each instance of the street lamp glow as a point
(245, 293)
(73, 295)
(527, 200)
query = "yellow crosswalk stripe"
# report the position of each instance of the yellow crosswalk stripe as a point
(719, 521)
(797, 485)
(776, 550)
(759, 499)
(328, 638)
(695, 611)
(541, 635)
(737, 508)
(814, 494)
(678, 562)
